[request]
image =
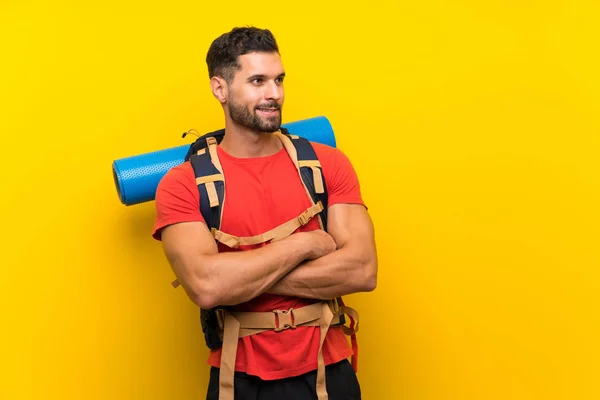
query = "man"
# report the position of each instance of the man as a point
(263, 191)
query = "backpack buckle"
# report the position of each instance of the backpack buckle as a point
(303, 219)
(284, 320)
(220, 314)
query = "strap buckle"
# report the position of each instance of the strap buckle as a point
(284, 319)
(333, 305)
(305, 216)
(220, 314)
(303, 219)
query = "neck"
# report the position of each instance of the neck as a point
(243, 142)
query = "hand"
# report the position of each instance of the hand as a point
(321, 243)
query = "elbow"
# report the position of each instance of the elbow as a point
(369, 280)
(207, 294)
(204, 302)
(201, 295)
(370, 284)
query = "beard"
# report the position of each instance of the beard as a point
(240, 114)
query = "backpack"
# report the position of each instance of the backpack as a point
(211, 186)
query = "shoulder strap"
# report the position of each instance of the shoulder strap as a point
(304, 157)
(210, 179)
(200, 143)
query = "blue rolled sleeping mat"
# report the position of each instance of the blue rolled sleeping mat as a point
(137, 177)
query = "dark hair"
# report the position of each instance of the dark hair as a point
(222, 56)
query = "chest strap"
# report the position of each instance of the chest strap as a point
(282, 231)
(235, 325)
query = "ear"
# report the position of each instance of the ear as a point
(219, 88)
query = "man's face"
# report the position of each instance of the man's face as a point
(256, 92)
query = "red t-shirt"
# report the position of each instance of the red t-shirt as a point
(261, 194)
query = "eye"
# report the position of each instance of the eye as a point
(257, 81)
(279, 80)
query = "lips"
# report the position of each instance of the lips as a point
(268, 111)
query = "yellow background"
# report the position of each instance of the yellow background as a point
(473, 126)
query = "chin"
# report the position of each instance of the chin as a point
(270, 126)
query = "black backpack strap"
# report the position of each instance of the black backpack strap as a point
(312, 174)
(210, 180)
(211, 187)
(200, 143)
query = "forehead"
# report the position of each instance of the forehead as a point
(260, 64)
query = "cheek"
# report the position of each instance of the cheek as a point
(249, 98)
(255, 97)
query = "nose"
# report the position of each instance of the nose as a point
(273, 91)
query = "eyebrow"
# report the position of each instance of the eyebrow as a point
(262, 76)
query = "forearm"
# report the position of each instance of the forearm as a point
(336, 274)
(235, 277)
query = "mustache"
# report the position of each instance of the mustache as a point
(269, 105)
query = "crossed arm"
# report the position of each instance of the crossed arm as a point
(306, 264)
(351, 268)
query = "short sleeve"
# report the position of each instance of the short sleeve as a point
(177, 199)
(340, 176)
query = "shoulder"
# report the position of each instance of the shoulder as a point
(324, 149)
(342, 180)
(178, 178)
(180, 173)
(177, 199)
(331, 158)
